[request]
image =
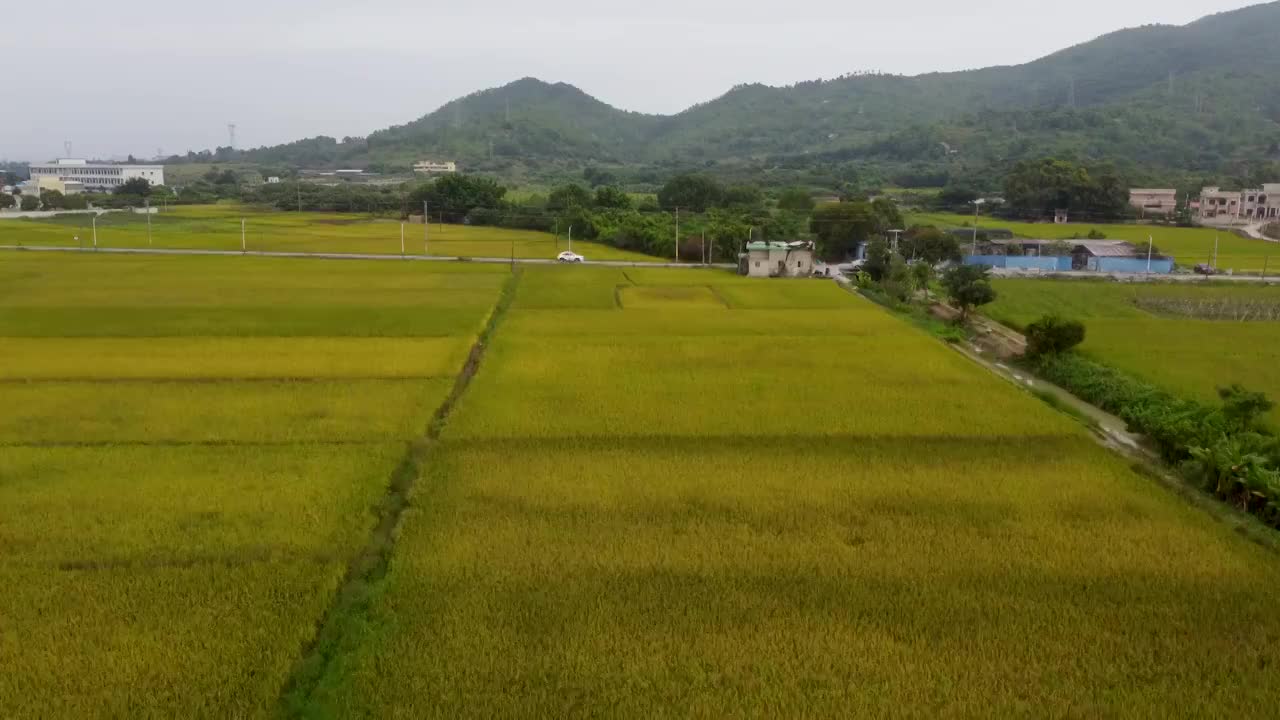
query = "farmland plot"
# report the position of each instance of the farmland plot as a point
(1145, 330)
(189, 453)
(218, 227)
(696, 510)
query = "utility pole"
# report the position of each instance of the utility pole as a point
(426, 229)
(570, 238)
(95, 232)
(243, 246)
(298, 186)
(1150, 244)
(401, 238)
(1215, 251)
(146, 204)
(976, 204)
(704, 247)
(677, 234)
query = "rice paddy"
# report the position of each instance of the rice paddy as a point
(191, 448)
(218, 227)
(1185, 355)
(664, 493)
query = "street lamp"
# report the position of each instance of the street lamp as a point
(976, 204)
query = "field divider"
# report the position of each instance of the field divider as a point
(341, 628)
(214, 380)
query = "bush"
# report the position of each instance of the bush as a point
(1052, 334)
(30, 202)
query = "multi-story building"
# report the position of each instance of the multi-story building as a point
(1150, 201)
(1217, 206)
(431, 166)
(96, 176)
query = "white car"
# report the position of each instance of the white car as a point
(567, 256)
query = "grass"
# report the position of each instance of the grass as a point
(218, 227)
(1188, 246)
(1183, 355)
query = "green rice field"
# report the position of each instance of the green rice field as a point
(663, 493)
(1188, 246)
(1184, 354)
(217, 227)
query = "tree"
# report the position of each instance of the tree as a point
(897, 281)
(1242, 407)
(568, 196)
(134, 186)
(30, 202)
(929, 244)
(75, 202)
(6, 201)
(921, 275)
(691, 191)
(968, 287)
(742, 197)
(841, 227)
(796, 199)
(608, 196)
(1052, 335)
(52, 200)
(456, 195)
(878, 260)
(955, 197)
(596, 177)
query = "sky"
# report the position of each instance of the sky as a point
(139, 76)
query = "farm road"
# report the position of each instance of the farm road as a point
(354, 256)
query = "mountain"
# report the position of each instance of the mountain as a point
(1167, 99)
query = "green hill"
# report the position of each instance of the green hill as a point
(1204, 97)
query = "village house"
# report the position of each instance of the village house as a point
(777, 259)
(1149, 201)
(1217, 206)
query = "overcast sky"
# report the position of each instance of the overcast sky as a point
(134, 76)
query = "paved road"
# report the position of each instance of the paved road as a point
(353, 256)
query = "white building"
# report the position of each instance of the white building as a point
(1217, 206)
(1154, 201)
(95, 176)
(431, 166)
(777, 259)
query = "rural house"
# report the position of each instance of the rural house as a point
(1154, 201)
(777, 259)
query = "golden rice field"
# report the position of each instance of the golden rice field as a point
(1188, 246)
(218, 227)
(191, 448)
(664, 493)
(1185, 355)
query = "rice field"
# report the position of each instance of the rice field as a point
(807, 510)
(1188, 246)
(664, 493)
(191, 448)
(1184, 355)
(218, 227)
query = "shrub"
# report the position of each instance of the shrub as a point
(1052, 334)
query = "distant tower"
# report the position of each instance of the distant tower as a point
(66, 147)
(231, 131)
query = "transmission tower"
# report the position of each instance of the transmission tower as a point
(66, 147)
(231, 131)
